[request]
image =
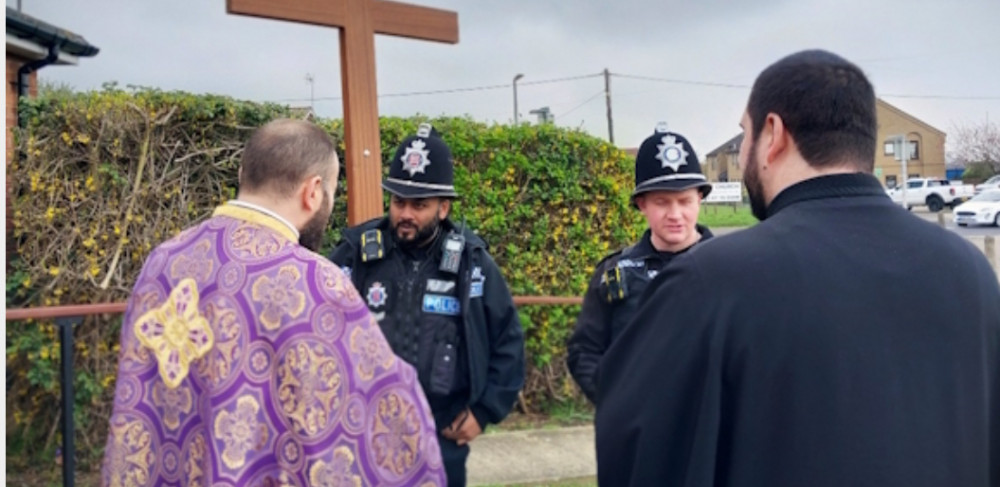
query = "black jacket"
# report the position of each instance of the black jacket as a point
(602, 318)
(842, 341)
(492, 328)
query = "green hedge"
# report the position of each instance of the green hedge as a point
(100, 178)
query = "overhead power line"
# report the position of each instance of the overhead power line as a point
(588, 100)
(457, 90)
(679, 81)
(732, 85)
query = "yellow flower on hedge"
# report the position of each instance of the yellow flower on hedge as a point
(50, 213)
(89, 184)
(26, 282)
(54, 271)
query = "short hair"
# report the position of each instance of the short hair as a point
(280, 155)
(825, 102)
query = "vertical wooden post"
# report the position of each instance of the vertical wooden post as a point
(364, 148)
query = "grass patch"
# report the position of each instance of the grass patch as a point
(716, 215)
(559, 415)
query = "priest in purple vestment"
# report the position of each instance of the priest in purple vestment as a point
(249, 360)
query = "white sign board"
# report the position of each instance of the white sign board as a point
(725, 193)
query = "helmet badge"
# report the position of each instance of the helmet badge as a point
(415, 159)
(671, 153)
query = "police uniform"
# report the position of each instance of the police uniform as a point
(817, 348)
(456, 324)
(666, 161)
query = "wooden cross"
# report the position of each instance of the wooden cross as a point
(359, 21)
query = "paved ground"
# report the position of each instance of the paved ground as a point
(519, 457)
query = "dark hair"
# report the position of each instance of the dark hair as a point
(281, 154)
(825, 102)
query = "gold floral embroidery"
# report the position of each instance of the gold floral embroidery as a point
(257, 218)
(279, 297)
(336, 285)
(259, 361)
(130, 457)
(173, 403)
(170, 462)
(396, 437)
(251, 241)
(176, 332)
(194, 476)
(197, 264)
(240, 431)
(370, 347)
(282, 480)
(227, 328)
(310, 386)
(338, 473)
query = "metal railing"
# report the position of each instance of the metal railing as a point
(66, 317)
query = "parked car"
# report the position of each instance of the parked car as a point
(991, 183)
(982, 209)
(935, 193)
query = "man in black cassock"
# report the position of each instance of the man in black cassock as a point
(840, 342)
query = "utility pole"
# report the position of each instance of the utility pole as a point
(607, 99)
(902, 153)
(312, 84)
(519, 76)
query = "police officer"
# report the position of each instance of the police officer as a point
(669, 187)
(439, 298)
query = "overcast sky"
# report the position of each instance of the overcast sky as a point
(944, 55)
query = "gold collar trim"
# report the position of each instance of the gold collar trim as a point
(252, 215)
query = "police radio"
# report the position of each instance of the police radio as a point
(451, 251)
(371, 245)
(617, 289)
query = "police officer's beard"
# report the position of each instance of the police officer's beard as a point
(422, 237)
(755, 189)
(311, 234)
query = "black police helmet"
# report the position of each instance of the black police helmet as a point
(422, 167)
(667, 162)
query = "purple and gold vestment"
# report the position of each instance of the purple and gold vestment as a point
(247, 360)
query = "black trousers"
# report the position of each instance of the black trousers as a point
(454, 458)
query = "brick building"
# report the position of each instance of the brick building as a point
(926, 150)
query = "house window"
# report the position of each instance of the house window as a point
(889, 149)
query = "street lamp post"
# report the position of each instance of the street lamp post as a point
(902, 154)
(519, 76)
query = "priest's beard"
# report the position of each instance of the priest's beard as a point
(421, 238)
(755, 189)
(311, 235)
